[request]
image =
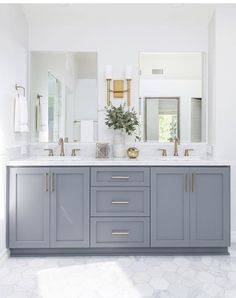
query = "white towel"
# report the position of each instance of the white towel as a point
(86, 131)
(21, 114)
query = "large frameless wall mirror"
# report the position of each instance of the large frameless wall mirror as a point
(63, 93)
(172, 97)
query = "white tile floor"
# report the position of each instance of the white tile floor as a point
(119, 277)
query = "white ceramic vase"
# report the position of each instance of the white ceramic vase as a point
(119, 143)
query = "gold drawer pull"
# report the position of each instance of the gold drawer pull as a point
(120, 233)
(193, 182)
(52, 182)
(186, 182)
(120, 202)
(46, 182)
(120, 177)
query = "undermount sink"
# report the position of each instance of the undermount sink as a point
(180, 158)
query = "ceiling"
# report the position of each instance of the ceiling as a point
(118, 14)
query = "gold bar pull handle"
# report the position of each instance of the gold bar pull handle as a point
(120, 177)
(46, 182)
(120, 233)
(193, 182)
(186, 182)
(53, 182)
(120, 202)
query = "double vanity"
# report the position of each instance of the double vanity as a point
(72, 205)
(81, 205)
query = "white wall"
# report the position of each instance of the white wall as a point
(13, 61)
(118, 45)
(175, 66)
(223, 133)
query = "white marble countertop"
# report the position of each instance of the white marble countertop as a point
(82, 161)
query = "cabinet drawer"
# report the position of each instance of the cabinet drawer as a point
(120, 232)
(120, 201)
(120, 176)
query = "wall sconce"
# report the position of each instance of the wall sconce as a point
(118, 85)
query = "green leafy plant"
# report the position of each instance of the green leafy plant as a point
(124, 119)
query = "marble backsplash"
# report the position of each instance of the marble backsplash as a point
(148, 150)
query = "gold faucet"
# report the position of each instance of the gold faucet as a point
(176, 143)
(186, 152)
(73, 152)
(50, 151)
(164, 152)
(61, 143)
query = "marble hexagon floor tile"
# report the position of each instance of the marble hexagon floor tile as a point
(120, 277)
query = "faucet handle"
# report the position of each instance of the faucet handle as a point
(164, 153)
(186, 152)
(73, 152)
(50, 151)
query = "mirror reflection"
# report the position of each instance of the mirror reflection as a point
(172, 101)
(161, 119)
(64, 96)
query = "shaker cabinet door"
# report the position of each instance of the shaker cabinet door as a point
(69, 207)
(169, 207)
(210, 207)
(29, 208)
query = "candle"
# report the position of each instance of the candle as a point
(108, 72)
(128, 72)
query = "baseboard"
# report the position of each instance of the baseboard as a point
(118, 251)
(4, 255)
(233, 237)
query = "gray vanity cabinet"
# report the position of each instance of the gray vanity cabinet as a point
(29, 208)
(49, 207)
(157, 209)
(190, 207)
(170, 207)
(210, 207)
(69, 207)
